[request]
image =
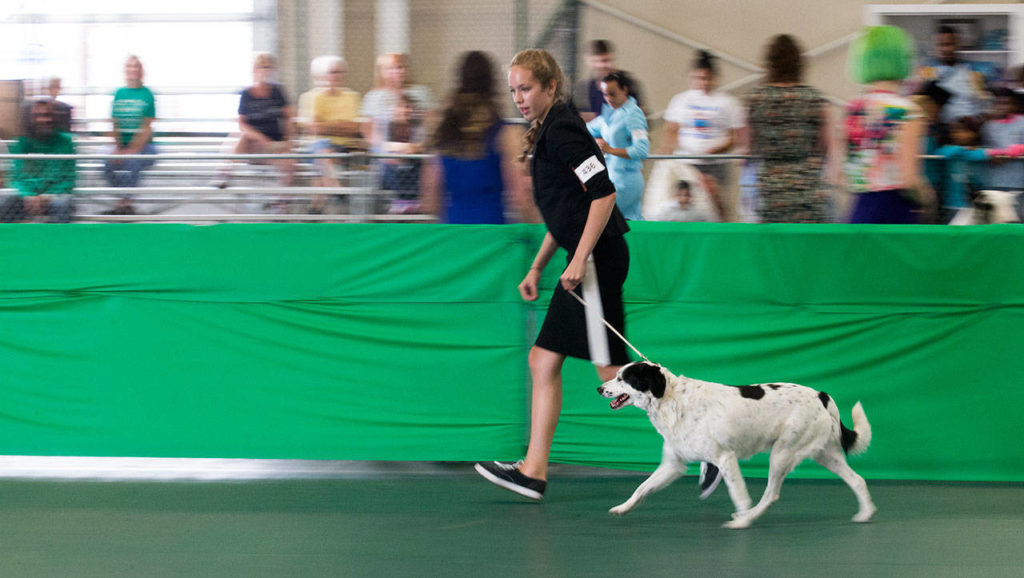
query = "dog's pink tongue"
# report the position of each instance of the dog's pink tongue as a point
(619, 401)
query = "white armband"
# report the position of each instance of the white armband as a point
(588, 168)
(639, 134)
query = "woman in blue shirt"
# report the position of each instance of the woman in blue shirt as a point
(621, 132)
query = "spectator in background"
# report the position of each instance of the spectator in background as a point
(265, 119)
(1003, 134)
(704, 121)
(967, 82)
(391, 81)
(394, 113)
(405, 136)
(931, 98)
(790, 131)
(676, 194)
(621, 133)
(304, 117)
(132, 112)
(335, 119)
(965, 169)
(477, 174)
(44, 187)
(587, 95)
(883, 132)
(61, 110)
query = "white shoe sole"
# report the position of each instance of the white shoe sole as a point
(711, 489)
(527, 492)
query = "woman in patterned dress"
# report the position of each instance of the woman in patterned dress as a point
(790, 131)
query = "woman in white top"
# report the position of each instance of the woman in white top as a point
(704, 121)
(391, 82)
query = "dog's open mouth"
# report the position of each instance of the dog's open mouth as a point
(620, 401)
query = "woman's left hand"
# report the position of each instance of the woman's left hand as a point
(573, 274)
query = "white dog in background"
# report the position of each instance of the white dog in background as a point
(989, 208)
(710, 422)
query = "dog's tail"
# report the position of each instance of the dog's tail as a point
(858, 439)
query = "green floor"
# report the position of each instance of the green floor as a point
(459, 525)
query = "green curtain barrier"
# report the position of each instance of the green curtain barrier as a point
(409, 342)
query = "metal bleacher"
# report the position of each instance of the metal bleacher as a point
(182, 185)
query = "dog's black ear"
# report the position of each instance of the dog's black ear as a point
(645, 377)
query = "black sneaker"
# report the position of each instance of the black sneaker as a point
(710, 477)
(508, 476)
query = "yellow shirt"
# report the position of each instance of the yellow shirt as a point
(341, 106)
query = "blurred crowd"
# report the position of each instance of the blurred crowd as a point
(917, 146)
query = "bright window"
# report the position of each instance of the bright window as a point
(197, 54)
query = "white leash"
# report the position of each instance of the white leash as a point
(613, 330)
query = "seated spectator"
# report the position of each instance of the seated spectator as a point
(675, 192)
(621, 133)
(704, 121)
(132, 112)
(265, 120)
(395, 96)
(404, 136)
(1004, 130)
(44, 187)
(61, 110)
(478, 174)
(587, 95)
(391, 80)
(304, 116)
(335, 118)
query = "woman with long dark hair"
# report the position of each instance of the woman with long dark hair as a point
(477, 168)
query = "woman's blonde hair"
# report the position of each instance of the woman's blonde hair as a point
(546, 71)
(385, 59)
(264, 59)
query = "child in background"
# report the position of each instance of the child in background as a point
(402, 176)
(965, 168)
(932, 98)
(999, 135)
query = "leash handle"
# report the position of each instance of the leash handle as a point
(609, 326)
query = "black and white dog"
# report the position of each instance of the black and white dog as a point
(721, 424)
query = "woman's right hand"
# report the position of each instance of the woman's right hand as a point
(528, 287)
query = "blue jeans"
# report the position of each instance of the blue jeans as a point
(127, 173)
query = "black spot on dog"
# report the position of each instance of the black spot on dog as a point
(751, 391)
(774, 385)
(848, 437)
(643, 376)
(825, 399)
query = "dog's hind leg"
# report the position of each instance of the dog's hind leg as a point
(669, 470)
(836, 463)
(733, 479)
(780, 464)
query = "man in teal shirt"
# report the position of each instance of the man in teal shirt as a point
(45, 187)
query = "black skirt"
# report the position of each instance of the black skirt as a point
(567, 328)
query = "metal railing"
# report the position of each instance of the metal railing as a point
(177, 187)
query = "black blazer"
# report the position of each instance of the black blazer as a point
(569, 172)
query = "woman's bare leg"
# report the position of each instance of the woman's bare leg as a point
(546, 371)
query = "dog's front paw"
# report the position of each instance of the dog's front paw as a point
(737, 523)
(620, 510)
(865, 515)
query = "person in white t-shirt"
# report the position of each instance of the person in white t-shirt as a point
(704, 121)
